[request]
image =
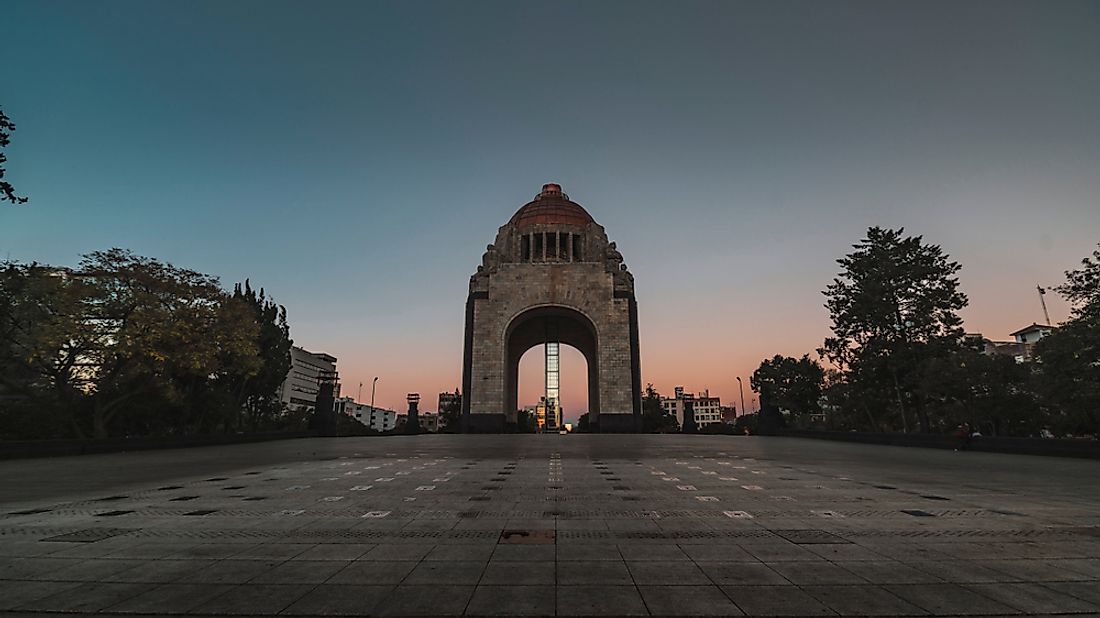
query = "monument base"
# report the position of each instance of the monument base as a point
(615, 423)
(485, 423)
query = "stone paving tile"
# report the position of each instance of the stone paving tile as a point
(501, 573)
(778, 552)
(15, 594)
(300, 572)
(429, 600)
(364, 573)
(776, 601)
(228, 572)
(716, 552)
(1034, 598)
(1036, 570)
(568, 553)
(843, 552)
(949, 599)
(512, 600)
(340, 600)
(480, 553)
(395, 552)
(86, 597)
(597, 572)
(961, 571)
(600, 601)
(254, 599)
(524, 553)
(1086, 591)
(210, 551)
(160, 571)
(170, 599)
(26, 568)
(272, 551)
(660, 553)
(890, 572)
(813, 573)
(742, 574)
(676, 573)
(335, 551)
(88, 570)
(446, 572)
(687, 601)
(862, 601)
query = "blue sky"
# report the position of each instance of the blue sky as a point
(355, 158)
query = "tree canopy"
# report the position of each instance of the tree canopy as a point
(128, 345)
(894, 306)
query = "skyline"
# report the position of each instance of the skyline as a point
(732, 151)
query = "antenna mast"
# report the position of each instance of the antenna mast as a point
(1043, 301)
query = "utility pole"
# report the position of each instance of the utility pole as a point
(741, 387)
(1043, 300)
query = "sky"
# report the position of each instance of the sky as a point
(354, 158)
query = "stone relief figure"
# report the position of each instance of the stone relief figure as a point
(612, 258)
(490, 259)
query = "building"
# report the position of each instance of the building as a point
(429, 421)
(299, 390)
(378, 419)
(1021, 348)
(551, 276)
(729, 414)
(707, 409)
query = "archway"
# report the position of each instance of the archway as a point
(551, 275)
(559, 324)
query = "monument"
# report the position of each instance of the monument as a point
(551, 277)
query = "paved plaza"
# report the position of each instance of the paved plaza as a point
(550, 525)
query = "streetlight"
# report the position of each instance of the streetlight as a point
(741, 387)
(372, 385)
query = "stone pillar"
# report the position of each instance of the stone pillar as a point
(412, 420)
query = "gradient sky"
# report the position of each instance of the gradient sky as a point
(355, 158)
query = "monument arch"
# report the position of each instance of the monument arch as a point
(551, 277)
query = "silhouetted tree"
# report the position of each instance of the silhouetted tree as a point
(451, 413)
(786, 383)
(654, 417)
(257, 394)
(1068, 360)
(7, 191)
(894, 305)
(582, 424)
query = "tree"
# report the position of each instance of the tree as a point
(451, 412)
(7, 191)
(258, 394)
(1068, 360)
(45, 349)
(654, 417)
(788, 383)
(894, 304)
(582, 424)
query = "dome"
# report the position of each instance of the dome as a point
(551, 207)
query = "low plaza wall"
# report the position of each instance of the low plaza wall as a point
(20, 449)
(1056, 447)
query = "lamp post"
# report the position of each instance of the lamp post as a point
(741, 387)
(372, 385)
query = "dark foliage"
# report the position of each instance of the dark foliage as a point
(7, 191)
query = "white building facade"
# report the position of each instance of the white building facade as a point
(378, 419)
(708, 410)
(299, 390)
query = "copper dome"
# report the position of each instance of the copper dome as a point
(551, 207)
